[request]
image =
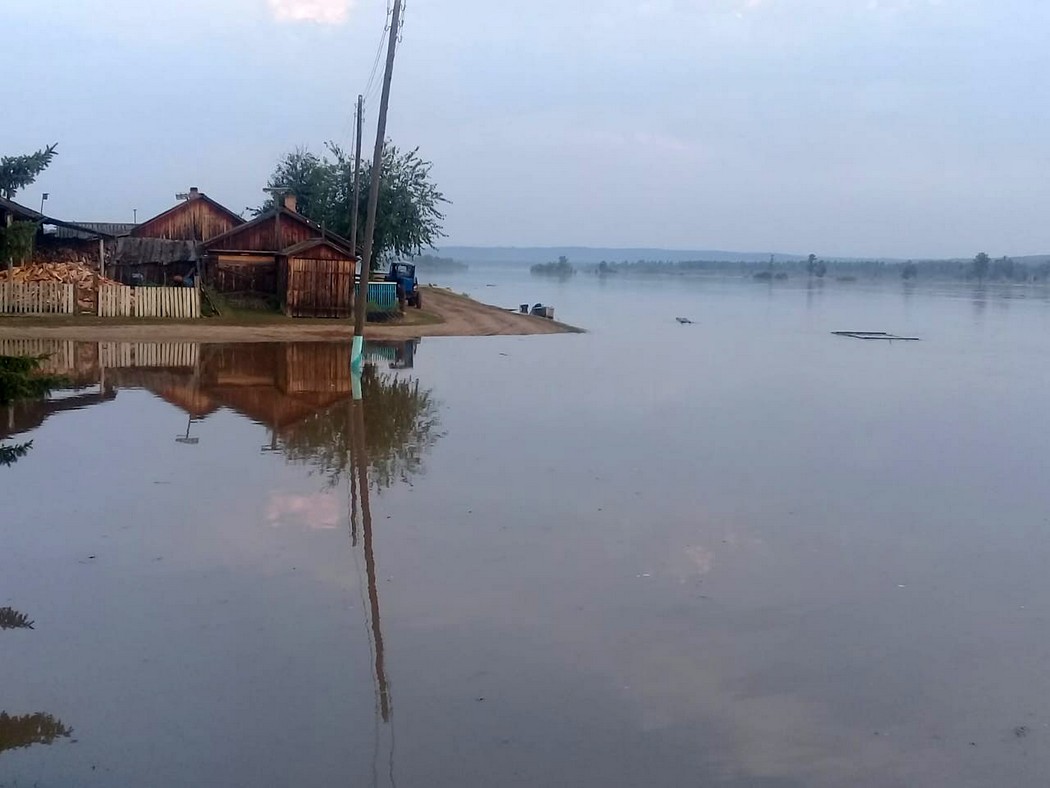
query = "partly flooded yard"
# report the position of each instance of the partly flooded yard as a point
(743, 552)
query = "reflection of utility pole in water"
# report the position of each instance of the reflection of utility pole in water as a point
(360, 306)
(359, 493)
(370, 560)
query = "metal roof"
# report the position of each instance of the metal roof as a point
(113, 229)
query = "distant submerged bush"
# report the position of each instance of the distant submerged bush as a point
(562, 269)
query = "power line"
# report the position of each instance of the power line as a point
(379, 54)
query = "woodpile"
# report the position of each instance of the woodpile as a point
(84, 279)
(64, 255)
(64, 273)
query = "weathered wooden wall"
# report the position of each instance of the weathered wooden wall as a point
(263, 236)
(242, 274)
(319, 288)
(196, 219)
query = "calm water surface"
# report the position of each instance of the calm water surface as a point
(743, 552)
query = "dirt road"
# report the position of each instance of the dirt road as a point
(445, 315)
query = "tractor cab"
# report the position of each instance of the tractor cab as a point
(404, 276)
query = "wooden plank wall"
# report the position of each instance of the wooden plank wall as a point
(177, 303)
(319, 288)
(36, 298)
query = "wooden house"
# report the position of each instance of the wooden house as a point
(317, 279)
(283, 254)
(197, 218)
(167, 248)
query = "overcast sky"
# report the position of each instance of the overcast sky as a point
(846, 127)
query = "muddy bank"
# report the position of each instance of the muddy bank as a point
(446, 315)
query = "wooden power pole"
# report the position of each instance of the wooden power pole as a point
(357, 174)
(373, 192)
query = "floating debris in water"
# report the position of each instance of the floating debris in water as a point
(874, 335)
(685, 321)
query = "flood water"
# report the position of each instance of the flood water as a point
(743, 552)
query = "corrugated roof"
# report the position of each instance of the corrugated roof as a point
(139, 251)
(28, 214)
(112, 229)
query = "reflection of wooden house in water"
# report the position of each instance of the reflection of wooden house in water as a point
(277, 385)
(274, 385)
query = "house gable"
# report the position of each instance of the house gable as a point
(198, 218)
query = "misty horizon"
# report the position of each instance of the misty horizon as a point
(871, 129)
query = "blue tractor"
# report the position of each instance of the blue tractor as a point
(404, 275)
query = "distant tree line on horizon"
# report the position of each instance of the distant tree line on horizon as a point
(981, 268)
(562, 269)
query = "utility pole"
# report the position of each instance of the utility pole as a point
(357, 174)
(373, 192)
(355, 197)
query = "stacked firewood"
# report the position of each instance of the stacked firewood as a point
(84, 279)
(61, 255)
(64, 273)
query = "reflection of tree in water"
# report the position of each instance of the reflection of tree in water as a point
(20, 379)
(19, 732)
(401, 424)
(9, 455)
(12, 619)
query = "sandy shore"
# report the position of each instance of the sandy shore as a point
(445, 315)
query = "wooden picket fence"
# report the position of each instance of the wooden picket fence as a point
(179, 303)
(57, 298)
(37, 298)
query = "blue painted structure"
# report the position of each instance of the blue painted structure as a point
(382, 294)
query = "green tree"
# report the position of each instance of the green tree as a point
(820, 268)
(1004, 268)
(811, 264)
(980, 266)
(409, 218)
(909, 270)
(17, 172)
(562, 269)
(16, 242)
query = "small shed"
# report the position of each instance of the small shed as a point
(246, 259)
(317, 279)
(155, 261)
